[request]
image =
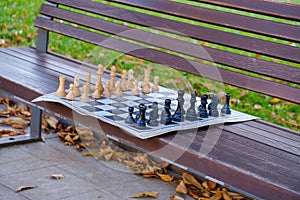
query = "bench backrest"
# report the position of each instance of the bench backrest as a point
(254, 44)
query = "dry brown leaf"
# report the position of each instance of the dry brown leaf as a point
(212, 184)
(108, 156)
(57, 176)
(174, 197)
(205, 184)
(226, 196)
(165, 177)
(145, 194)
(189, 179)
(69, 139)
(15, 122)
(217, 196)
(52, 122)
(21, 188)
(181, 188)
(274, 100)
(243, 93)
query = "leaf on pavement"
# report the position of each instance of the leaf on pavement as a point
(174, 197)
(189, 179)
(57, 176)
(21, 188)
(181, 188)
(146, 194)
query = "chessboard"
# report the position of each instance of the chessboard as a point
(114, 110)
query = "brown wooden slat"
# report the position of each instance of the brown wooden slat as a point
(260, 26)
(272, 8)
(240, 80)
(282, 72)
(188, 30)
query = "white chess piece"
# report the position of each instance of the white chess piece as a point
(61, 92)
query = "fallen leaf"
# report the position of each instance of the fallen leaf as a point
(217, 196)
(174, 197)
(146, 194)
(212, 184)
(189, 179)
(21, 188)
(181, 188)
(52, 122)
(274, 100)
(243, 93)
(257, 107)
(165, 177)
(226, 196)
(57, 176)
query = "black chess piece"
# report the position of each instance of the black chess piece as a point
(191, 114)
(178, 115)
(226, 108)
(130, 119)
(181, 100)
(202, 107)
(153, 115)
(166, 114)
(213, 106)
(141, 120)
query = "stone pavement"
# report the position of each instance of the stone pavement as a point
(85, 177)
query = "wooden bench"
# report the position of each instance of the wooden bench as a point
(257, 158)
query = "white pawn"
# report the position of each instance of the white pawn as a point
(130, 79)
(123, 81)
(155, 87)
(136, 90)
(97, 93)
(88, 83)
(118, 91)
(76, 85)
(106, 92)
(84, 96)
(70, 95)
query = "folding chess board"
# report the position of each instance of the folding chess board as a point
(114, 110)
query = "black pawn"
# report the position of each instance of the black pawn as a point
(178, 115)
(202, 108)
(153, 115)
(213, 106)
(130, 119)
(191, 114)
(226, 108)
(141, 120)
(166, 114)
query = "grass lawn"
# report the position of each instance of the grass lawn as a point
(17, 30)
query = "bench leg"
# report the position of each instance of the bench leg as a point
(36, 123)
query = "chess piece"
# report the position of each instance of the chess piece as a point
(226, 108)
(118, 91)
(100, 73)
(88, 82)
(106, 92)
(70, 95)
(141, 120)
(61, 92)
(166, 114)
(213, 106)
(180, 94)
(146, 85)
(191, 114)
(155, 87)
(123, 81)
(130, 119)
(153, 115)
(84, 96)
(202, 107)
(136, 90)
(130, 80)
(178, 116)
(76, 84)
(113, 74)
(97, 93)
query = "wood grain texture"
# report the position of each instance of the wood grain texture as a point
(188, 30)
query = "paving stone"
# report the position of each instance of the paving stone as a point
(165, 189)
(12, 153)
(8, 194)
(53, 151)
(96, 195)
(47, 188)
(99, 173)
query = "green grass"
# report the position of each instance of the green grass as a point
(17, 30)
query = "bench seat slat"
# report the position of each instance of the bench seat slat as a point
(276, 9)
(282, 72)
(187, 30)
(231, 20)
(248, 82)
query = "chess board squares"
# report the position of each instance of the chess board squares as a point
(91, 108)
